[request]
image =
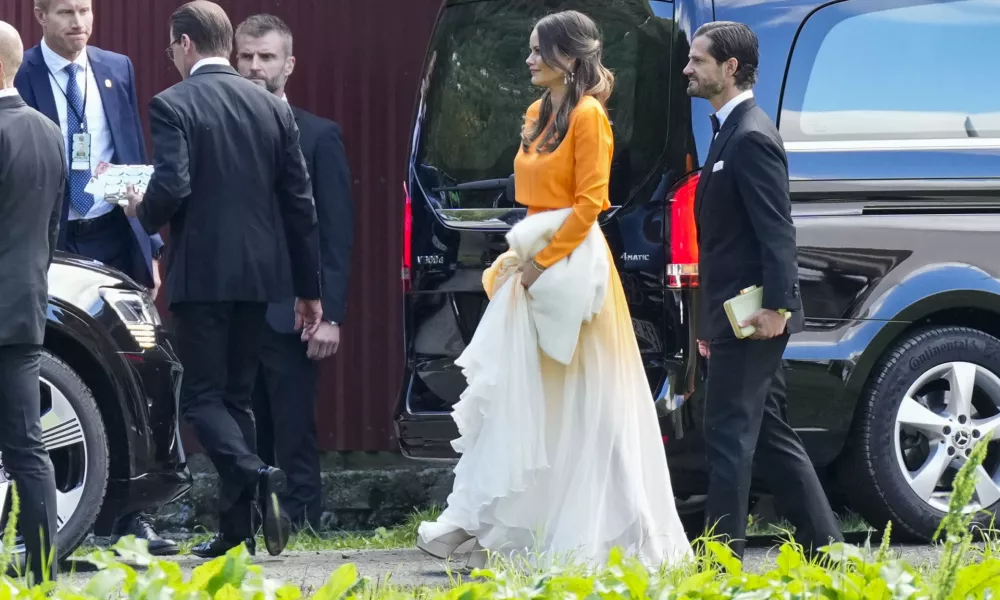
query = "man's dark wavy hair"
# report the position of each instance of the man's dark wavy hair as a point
(733, 40)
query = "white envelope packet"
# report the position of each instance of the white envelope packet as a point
(112, 181)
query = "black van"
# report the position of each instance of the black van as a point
(893, 137)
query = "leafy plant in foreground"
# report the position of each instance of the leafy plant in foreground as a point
(842, 571)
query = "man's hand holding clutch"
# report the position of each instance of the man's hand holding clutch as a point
(750, 320)
(767, 324)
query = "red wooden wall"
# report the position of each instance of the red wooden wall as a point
(358, 63)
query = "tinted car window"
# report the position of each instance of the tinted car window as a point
(476, 89)
(894, 70)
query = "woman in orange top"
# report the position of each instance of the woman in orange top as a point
(601, 479)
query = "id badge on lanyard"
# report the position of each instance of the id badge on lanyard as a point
(80, 158)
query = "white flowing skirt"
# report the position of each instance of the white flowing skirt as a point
(558, 460)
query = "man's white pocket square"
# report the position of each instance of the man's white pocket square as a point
(718, 166)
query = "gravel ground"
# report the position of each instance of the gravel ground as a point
(310, 570)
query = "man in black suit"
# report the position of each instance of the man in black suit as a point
(32, 183)
(746, 237)
(286, 387)
(229, 177)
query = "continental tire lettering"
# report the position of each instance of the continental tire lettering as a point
(938, 349)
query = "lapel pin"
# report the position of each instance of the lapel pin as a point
(107, 83)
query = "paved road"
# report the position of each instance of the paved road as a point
(310, 570)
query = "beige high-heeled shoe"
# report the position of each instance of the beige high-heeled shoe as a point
(443, 546)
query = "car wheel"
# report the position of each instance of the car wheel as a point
(73, 433)
(928, 402)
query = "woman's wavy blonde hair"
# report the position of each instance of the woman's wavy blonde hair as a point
(570, 43)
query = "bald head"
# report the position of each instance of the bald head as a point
(11, 53)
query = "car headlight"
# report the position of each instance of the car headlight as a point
(137, 312)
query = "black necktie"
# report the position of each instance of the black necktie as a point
(715, 124)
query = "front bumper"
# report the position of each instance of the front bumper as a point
(148, 491)
(154, 471)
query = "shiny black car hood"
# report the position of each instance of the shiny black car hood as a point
(77, 280)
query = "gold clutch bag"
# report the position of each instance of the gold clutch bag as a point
(742, 307)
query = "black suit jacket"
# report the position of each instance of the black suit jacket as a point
(326, 161)
(229, 174)
(32, 184)
(743, 213)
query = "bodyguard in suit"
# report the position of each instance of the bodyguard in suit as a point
(230, 179)
(32, 181)
(90, 93)
(286, 387)
(746, 237)
(99, 100)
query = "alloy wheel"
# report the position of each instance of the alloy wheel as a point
(943, 415)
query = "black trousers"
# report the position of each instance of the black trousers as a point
(219, 346)
(285, 411)
(24, 456)
(746, 426)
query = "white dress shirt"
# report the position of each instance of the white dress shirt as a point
(102, 148)
(212, 60)
(7, 92)
(727, 109)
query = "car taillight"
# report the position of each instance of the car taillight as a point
(407, 237)
(682, 270)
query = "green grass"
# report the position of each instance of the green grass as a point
(405, 535)
(850, 523)
(401, 536)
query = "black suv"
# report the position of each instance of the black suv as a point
(893, 140)
(110, 384)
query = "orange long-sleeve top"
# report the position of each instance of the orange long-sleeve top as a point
(575, 174)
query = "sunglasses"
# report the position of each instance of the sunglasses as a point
(170, 49)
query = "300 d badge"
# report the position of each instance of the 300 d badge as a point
(432, 259)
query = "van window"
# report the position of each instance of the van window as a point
(476, 88)
(895, 70)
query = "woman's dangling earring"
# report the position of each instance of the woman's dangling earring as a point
(568, 78)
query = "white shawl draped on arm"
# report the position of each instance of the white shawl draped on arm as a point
(569, 293)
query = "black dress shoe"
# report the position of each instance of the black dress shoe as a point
(220, 544)
(276, 524)
(141, 526)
